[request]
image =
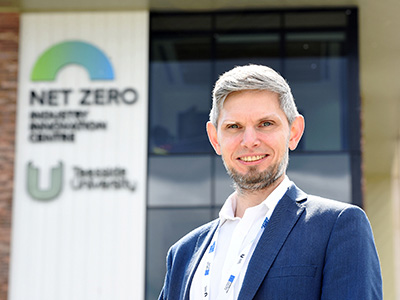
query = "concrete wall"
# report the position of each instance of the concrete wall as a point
(380, 93)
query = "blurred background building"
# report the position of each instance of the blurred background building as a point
(104, 157)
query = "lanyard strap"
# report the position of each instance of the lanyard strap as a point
(235, 269)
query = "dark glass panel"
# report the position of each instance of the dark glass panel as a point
(180, 89)
(165, 227)
(325, 175)
(181, 22)
(223, 183)
(317, 73)
(179, 181)
(181, 48)
(316, 20)
(242, 49)
(246, 21)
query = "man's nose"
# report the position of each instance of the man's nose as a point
(250, 138)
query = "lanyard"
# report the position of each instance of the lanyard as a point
(235, 269)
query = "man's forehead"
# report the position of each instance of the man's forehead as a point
(268, 108)
(250, 91)
(262, 99)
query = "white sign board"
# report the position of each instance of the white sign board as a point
(80, 176)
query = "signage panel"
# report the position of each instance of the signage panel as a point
(80, 173)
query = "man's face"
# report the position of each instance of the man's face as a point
(253, 136)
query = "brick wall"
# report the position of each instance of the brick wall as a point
(9, 30)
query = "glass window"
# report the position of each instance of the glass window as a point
(243, 21)
(316, 20)
(316, 69)
(325, 175)
(180, 79)
(242, 49)
(222, 182)
(181, 22)
(179, 181)
(315, 50)
(164, 228)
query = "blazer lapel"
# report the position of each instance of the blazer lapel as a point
(284, 217)
(203, 241)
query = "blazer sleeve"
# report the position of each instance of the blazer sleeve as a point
(352, 269)
(164, 291)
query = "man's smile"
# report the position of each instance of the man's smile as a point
(252, 158)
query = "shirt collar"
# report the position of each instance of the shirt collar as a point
(227, 211)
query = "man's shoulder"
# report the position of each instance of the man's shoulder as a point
(196, 236)
(201, 230)
(317, 205)
(324, 207)
(319, 202)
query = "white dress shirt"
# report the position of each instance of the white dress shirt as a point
(234, 235)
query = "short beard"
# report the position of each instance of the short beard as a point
(255, 181)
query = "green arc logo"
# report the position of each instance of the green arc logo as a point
(72, 52)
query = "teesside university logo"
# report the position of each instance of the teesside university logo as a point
(53, 121)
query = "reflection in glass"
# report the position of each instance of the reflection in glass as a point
(325, 175)
(223, 183)
(164, 228)
(180, 95)
(319, 20)
(179, 181)
(250, 21)
(316, 69)
(187, 182)
(182, 22)
(243, 49)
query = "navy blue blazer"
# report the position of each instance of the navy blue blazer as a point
(312, 248)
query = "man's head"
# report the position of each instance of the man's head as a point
(252, 77)
(254, 122)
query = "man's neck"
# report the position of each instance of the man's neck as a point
(246, 198)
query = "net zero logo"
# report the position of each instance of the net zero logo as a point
(72, 52)
(98, 67)
(61, 112)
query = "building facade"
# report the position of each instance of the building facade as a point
(128, 142)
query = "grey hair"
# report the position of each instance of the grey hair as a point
(252, 77)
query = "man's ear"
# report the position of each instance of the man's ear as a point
(296, 132)
(213, 137)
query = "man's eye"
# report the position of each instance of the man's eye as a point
(235, 126)
(266, 124)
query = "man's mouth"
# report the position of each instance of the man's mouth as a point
(252, 158)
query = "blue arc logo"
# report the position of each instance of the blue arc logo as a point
(72, 52)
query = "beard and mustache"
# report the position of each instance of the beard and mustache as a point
(254, 180)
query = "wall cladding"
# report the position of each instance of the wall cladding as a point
(9, 38)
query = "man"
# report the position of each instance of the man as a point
(271, 241)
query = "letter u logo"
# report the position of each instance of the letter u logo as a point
(55, 186)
